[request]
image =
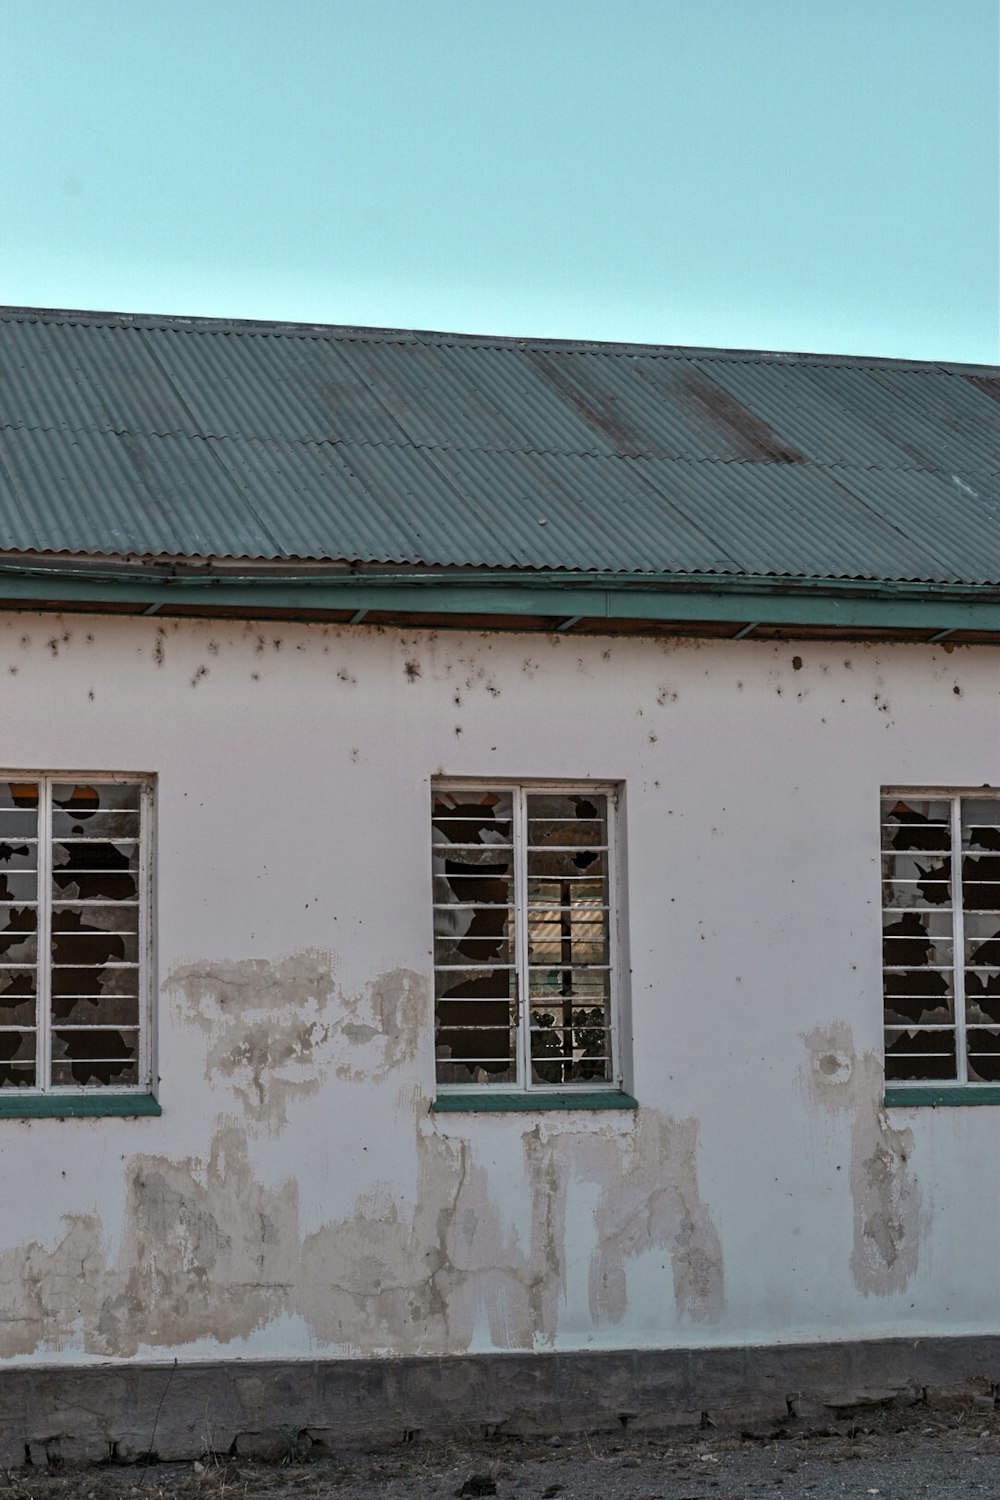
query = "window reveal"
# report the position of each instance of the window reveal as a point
(524, 936)
(941, 937)
(73, 934)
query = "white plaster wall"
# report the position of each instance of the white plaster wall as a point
(297, 1197)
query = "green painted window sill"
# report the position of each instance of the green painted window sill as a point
(70, 1106)
(945, 1093)
(494, 1100)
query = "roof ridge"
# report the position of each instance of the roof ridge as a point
(351, 333)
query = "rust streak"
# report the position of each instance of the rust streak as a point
(754, 437)
(600, 413)
(988, 384)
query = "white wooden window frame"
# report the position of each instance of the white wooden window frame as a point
(954, 796)
(520, 791)
(45, 781)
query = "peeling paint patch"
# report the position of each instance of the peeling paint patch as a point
(419, 1278)
(884, 1190)
(206, 1247)
(384, 1022)
(648, 1199)
(275, 1029)
(265, 1022)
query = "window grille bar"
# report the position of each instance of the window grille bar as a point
(958, 940)
(43, 983)
(116, 840)
(95, 1026)
(523, 1040)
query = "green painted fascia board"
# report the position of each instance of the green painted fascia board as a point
(556, 598)
(948, 1093)
(69, 1106)
(489, 1101)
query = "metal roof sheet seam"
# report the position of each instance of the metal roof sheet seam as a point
(831, 465)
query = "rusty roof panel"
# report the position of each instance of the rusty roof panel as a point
(209, 438)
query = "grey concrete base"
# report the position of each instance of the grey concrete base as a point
(289, 1409)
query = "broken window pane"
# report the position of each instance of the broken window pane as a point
(917, 824)
(18, 824)
(473, 865)
(95, 933)
(981, 882)
(91, 871)
(570, 1043)
(980, 823)
(18, 997)
(77, 845)
(569, 937)
(983, 1046)
(18, 933)
(919, 1055)
(17, 1059)
(92, 1056)
(941, 883)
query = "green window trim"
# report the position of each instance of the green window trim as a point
(73, 1106)
(953, 1093)
(496, 1102)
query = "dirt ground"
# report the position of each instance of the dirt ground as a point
(890, 1453)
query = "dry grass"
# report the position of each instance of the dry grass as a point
(528, 1467)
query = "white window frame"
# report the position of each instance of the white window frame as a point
(520, 790)
(954, 796)
(43, 1087)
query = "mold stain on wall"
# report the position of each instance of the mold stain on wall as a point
(884, 1190)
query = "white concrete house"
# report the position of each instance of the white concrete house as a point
(500, 922)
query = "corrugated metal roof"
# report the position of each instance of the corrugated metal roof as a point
(126, 435)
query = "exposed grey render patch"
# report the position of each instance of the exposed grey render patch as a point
(383, 1021)
(264, 1022)
(884, 1189)
(206, 1246)
(275, 1029)
(209, 1246)
(649, 1199)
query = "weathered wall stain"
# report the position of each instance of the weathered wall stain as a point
(885, 1192)
(384, 1022)
(649, 1200)
(392, 1279)
(275, 1029)
(209, 1250)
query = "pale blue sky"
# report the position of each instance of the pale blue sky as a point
(789, 174)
